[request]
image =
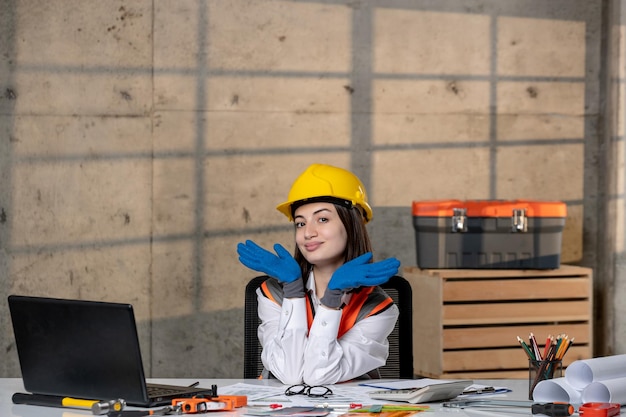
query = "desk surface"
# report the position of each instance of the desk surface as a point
(8, 386)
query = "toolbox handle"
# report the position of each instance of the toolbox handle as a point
(459, 220)
(519, 222)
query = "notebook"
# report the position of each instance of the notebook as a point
(85, 349)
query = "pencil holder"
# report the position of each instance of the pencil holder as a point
(540, 371)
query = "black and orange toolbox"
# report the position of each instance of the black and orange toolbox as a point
(498, 234)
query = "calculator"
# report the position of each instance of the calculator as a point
(429, 393)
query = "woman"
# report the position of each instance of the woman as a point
(323, 318)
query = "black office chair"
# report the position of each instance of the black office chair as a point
(400, 361)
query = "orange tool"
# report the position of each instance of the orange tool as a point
(197, 405)
(599, 409)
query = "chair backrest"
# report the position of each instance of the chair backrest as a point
(252, 365)
(400, 361)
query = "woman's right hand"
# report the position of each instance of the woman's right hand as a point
(281, 265)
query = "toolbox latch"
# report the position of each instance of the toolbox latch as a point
(459, 220)
(518, 221)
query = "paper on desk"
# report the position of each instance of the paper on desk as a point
(581, 373)
(601, 379)
(256, 393)
(556, 390)
(405, 383)
(397, 413)
(343, 395)
(510, 411)
(483, 391)
(289, 412)
(606, 391)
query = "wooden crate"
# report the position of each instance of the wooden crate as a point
(466, 321)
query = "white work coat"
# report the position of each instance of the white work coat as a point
(294, 354)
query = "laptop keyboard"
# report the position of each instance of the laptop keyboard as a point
(156, 391)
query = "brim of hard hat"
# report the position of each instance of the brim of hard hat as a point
(288, 207)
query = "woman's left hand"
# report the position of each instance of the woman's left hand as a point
(361, 272)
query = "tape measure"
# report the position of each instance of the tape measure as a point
(599, 409)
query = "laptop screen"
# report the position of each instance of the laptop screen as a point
(83, 349)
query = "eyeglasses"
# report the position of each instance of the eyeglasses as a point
(316, 391)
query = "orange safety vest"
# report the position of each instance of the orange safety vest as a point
(365, 302)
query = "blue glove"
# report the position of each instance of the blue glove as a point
(358, 272)
(282, 267)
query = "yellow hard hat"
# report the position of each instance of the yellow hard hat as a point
(327, 183)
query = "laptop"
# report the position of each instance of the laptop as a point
(85, 349)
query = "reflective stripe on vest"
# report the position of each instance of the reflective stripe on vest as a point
(365, 302)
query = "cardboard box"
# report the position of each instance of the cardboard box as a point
(516, 234)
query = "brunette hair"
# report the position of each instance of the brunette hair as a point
(358, 239)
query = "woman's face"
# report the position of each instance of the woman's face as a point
(320, 234)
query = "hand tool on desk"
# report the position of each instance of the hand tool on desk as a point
(487, 403)
(592, 409)
(596, 409)
(202, 404)
(342, 406)
(554, 409)
(104, 407)
(164, 411)
(272, 406)
(328, 406)
(96, 406)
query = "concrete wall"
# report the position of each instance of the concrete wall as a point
(141, 140)
(616, 98)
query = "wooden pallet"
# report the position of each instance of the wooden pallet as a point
(466, 321)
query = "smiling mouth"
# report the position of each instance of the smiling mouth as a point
(312, 246)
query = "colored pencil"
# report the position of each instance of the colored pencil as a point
(526, 348)
(548, 343)
(535, 347)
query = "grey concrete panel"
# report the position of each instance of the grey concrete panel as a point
(141, 140)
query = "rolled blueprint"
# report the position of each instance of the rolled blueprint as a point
(606, 391)
(556, 390)
(579, 374)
